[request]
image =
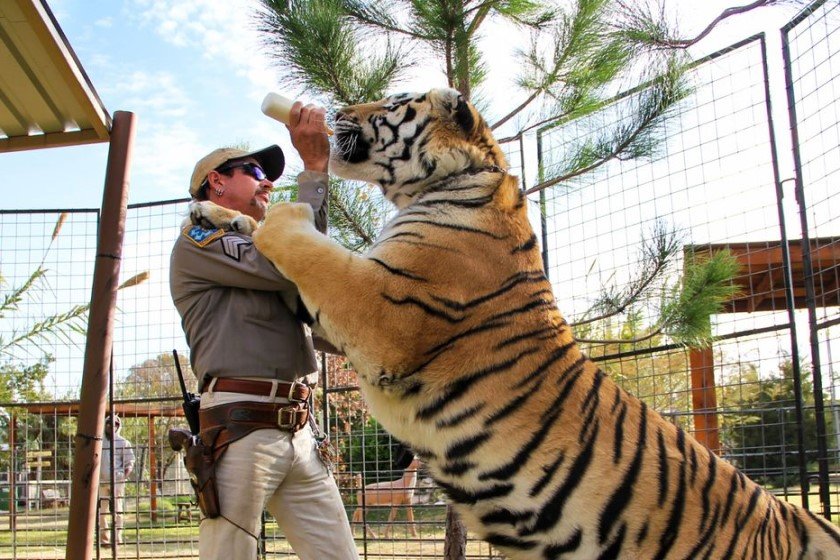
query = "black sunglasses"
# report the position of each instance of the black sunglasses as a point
(252, 169)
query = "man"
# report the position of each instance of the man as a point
(249, 352)
(123, 466)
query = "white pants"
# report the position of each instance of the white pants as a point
(280, 472)
(105, 510)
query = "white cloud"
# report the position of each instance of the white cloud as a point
(164, 155)
(224, 32)
(155, 93)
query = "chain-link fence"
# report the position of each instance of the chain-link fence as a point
(763, 395)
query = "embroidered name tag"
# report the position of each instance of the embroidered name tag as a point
(202, 237)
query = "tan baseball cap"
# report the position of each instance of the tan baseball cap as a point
(271, 159)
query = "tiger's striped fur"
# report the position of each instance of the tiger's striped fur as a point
(462, 353)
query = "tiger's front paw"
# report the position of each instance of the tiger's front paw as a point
(290, 216)
(212, 216)
(283, 220)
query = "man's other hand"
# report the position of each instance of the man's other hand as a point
(307, 128)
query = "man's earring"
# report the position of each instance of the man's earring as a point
(219, 192)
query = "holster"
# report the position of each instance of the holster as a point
(200, 461)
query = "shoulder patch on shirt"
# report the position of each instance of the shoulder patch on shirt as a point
(232, 246)
(200, 236)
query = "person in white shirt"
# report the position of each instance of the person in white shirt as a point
(123, 466)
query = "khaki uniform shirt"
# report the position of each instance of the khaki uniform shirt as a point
(235, 305)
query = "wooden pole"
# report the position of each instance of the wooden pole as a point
(94, 392)
(152, 469)
(704, 398)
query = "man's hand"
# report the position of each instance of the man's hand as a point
(309, 137)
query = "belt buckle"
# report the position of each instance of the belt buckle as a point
(291, 423)
(292, 386)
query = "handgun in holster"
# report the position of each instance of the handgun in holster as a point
(200, 462)
(199, 459)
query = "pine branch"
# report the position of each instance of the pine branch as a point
(643, 27)
(705, 287)
(319, 49)
(657, 254)
(13, 299)
(632, 140)
(375, 14)
(583, 59)
(354, 217)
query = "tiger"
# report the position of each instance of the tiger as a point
(461, 352)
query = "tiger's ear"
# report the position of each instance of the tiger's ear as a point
(464, 115)
(451, 103)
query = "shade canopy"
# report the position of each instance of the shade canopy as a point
(46, 99)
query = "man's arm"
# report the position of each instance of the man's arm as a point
(306, 129)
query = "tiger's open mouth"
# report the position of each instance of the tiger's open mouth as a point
(350, 144)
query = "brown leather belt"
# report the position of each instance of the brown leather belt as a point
(293, 391)
(236, 420)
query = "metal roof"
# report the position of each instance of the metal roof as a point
(46, 99)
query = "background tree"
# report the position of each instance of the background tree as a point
(155, 378)
(760, 429)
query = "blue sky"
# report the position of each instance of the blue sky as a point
(194, 73)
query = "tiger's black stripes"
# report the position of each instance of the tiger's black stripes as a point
(459, 387)
(465, 447)
(622, 496)
(739, 522)
(557, 355)
(472, 497)
(569, 378)
(612, 551)
(663, 469)
(428, 309)
(619, 433)
(672, 529)
(505, 516)
(458, 468)
(826, 528)
(510, 542)
(552, 509)
(526, 246)
(547, 422)
(548, 474)
(455, 227)
(529, 335)
(711, 480)
(555, 551)
(461, 416)
(399, 272)
(477, 202)
(506, 287)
